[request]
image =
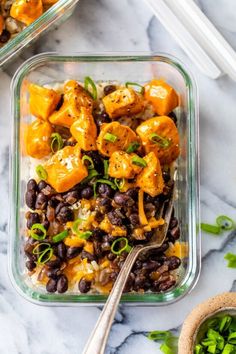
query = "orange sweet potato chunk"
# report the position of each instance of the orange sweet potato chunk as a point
(38, 139)
(120, 165)
(26, 11)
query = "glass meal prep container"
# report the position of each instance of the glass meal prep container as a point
(51, 69)
(53, 16)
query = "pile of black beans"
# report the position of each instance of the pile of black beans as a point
(53, 210)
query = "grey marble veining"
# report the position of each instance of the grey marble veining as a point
(128, 25)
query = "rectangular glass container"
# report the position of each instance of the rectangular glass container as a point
(53, 16)
(50, 69)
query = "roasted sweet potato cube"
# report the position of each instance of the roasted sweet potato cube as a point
(42, 101)
(26, 11)
(65, 169)
(121, 166)
(38, 139)
(124, 101)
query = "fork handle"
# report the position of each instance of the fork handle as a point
(97, 341)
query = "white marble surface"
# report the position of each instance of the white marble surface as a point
(128, 25)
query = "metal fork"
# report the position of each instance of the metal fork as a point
(96, 343)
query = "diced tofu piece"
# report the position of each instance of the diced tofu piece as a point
(124, 101)
(84, 130)
(26, 11)
(75, 97)
(160, 135)
(42, 101)
(150, 179)
(120, 165)
(76, 93)
(1, 24)
(38, 139)
(162, 96)
(65, 169)
(113, 137)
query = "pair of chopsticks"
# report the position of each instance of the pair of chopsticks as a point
(198, 37)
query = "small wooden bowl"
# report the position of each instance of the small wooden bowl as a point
(223, 303)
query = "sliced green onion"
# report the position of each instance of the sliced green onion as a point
(132, 147)
(225, 323)
(119, 183)
(44, 258)
(39, 227)
(166, 349)
(212, 229)
(85, 235)
(157, 139)
(139, 88)
(91, 175)
(59, 237)
(37, 250)
(139, 161)
(57, 142)
(212, 323)
(231, 258)
(198, 349)
(225, 222)
(41, 172)
(75, 226)
(116, 243)
(159, 335)
(105, 181)
(110, 137)
(106, 166)
(228, 349)
(88, 158)
(232, 338)
(88, 82)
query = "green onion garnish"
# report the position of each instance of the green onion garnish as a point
(139, 161)
(212, 229)
(106, 166)
(91, 174)
(45, 256)
(119, 183)
(225, 222)
(39, 227)
(59, 237)
(41, 172)
(170, 342)
(88, 82)
(110, 137)
(117, 249)
(105, 181)
(137, 87)
(76, 224)
(132, 147)
(221, 339)
(85, 235)
(157, 139)
(37, 250)
(158, 335)
(231, 258)
(57, 142)
(88, 158)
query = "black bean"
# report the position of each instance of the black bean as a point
(32, 218)
(71, 197)
(101, 118)
(45, 222)
(58, 207)
(30, 199)
(139, 281)
(134, 219)
(123, 199)
(65, 214)
(175, 232)
(51, 286)
(129, 283)
(84, 286)
(90, 257)
(73, 252)
(166, 176)
(32, 185)
(87, 192)
(111, 256)
(138, 264)
(97, 248)
(166, 285)
(114, 218)
(104, 205)
(105, 246)
(5, 36)
(109, 89)
(61, 250)
(42, 184)
(132, 193)
(97, 233)
(150, 265)
(54, 263)
(62, 284)
(173, 262)
(41, 201)
(173, 222)
(97, 160)
(104, 190)
(53, 273)
(30, 265)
